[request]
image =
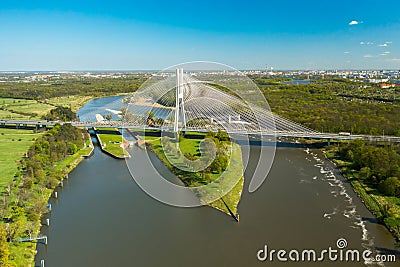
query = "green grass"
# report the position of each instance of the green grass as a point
(8, 115)
(74, 102)
(369, 201)
(23, 108)
(150, 138)
(11, 151)
(189, 145)
(26, 109)
(112, 142)
(22, 253)
(229, 177)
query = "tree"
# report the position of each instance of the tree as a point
(390, 186)
(72, 148)
(60, 113)
(4, 252)
(18, 225)
(108, 117)
(150, 115)
(365, 173)
(222, 136)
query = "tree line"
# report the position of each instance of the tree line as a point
(88, 86)
(374, 171)
(25, 202)
(378, 166)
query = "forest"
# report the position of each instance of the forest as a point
(374, 170)
(337, 105)
(378, 166)
(41, 90)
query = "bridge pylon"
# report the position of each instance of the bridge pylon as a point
(179, 101)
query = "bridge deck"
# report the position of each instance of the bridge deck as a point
(117, 124)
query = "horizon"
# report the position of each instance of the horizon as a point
(161, 70)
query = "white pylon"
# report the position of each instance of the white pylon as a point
(179, 101)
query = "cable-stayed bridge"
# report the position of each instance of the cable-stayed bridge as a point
(181, 102)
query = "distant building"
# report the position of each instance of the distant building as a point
(387, 85)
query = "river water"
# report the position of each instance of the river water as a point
(102, 218)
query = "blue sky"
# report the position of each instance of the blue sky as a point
(132, 35)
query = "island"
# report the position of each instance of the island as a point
(186, 156)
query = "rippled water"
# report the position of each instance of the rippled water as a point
(102, 218)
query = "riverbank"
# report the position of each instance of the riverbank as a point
(385, 208)
(29, 196)
(190, 147)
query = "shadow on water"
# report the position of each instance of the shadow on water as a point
(388, 251)
(282, 144)
(370, 220)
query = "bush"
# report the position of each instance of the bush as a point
(390, 186)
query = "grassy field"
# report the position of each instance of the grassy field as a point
(13, 145)
(74, 102)
(112, 141)
(24, 109)
(22, 254)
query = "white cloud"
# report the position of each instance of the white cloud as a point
(394, 59)
(346, 52)
(368, 56)
(383, 45)
(383, 54)
(366, 43)
(388, 42)
(387, 52)
(354, 22)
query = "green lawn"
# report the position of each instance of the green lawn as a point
(112, 142)
(23, 108)
(190, 145)
(13, 145)
(27, 109)
(6, 114)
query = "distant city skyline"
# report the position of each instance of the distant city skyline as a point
(141, 35)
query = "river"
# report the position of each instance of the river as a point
(102, 218)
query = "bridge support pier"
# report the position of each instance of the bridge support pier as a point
(179, 101)
(329, 142)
